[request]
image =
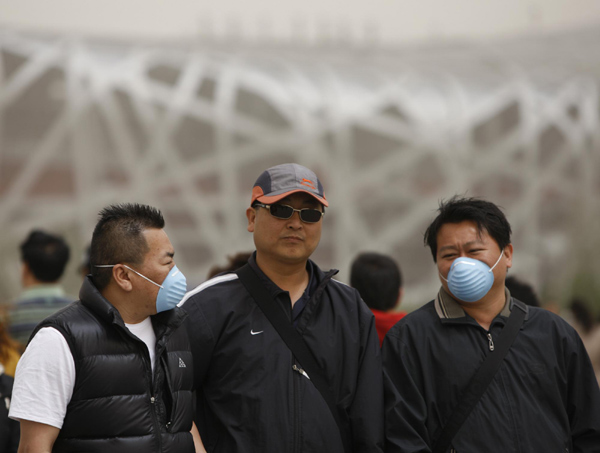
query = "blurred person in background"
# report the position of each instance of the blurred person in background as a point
(234, 262)
(544, 395)
(9, 350)
(9, 429)
(113, 371)
(581, 317)
(583, 320)
(378, 279)
(9, 356)
(44, 257)
(255, 395)
(84, 267)
(522, 291)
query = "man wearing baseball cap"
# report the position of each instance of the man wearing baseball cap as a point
(258, 390)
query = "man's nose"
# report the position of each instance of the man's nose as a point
(294, 221)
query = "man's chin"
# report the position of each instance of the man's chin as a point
(294, 257)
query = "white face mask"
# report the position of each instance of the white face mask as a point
(171, 291)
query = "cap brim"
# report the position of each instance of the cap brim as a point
(276, 198)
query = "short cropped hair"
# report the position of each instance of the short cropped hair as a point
(118, 238)
(378, 279)
(46, 255)
(486, 215)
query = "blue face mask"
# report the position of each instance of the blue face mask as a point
(171, 291)
(470, 280)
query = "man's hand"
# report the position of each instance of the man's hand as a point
(198, 445)
(37, 437)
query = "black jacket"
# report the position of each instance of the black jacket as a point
(544, 398)
(250, 399)
(117, 404)
(9, 429)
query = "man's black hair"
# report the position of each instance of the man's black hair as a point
(378, 279)
(486, 215)
(46, 255)
(118, 238)
(84, 266)
(582, 313)
(521, 291)
(234, 262)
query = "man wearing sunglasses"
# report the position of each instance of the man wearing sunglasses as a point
(254, 395)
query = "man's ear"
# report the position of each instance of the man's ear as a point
(251, 216)
(27, 277)
(508, 253)
(25, 271)
(121, 276)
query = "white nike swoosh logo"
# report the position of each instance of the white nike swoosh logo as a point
(252, 332)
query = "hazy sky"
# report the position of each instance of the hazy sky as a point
(389, 21)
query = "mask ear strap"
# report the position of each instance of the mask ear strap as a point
(499, 258)
(143, 276)
(132, 270)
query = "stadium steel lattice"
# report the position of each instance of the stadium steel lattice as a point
(187, 128)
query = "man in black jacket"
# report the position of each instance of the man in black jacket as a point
(253, 395)
(543, 398)
(113, 371)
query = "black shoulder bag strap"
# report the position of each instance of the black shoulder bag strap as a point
(483, 377)
(294, 342)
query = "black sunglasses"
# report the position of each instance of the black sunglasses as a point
(282, 211)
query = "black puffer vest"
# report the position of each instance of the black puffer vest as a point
(116, 405)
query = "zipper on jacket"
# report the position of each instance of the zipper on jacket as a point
(148, 363)
(296, 440)
(490, 341)
(170, 390)
(155, 419)
(153, 394)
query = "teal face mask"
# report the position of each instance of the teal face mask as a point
(171, 291)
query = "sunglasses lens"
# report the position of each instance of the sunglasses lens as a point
(310, 215)
(281, 211)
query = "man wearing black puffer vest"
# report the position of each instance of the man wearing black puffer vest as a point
(113, 371)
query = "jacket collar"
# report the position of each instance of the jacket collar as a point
(315, 277)
(318, 282)
(92, 299)
(448, 309)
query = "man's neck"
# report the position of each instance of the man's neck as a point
(29, 281)
(487, 309)
(126, 309)
(290, 277)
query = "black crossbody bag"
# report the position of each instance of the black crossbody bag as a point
(294, 342)
(483, 377)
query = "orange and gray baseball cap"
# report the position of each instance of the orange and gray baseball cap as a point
(282, 180)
